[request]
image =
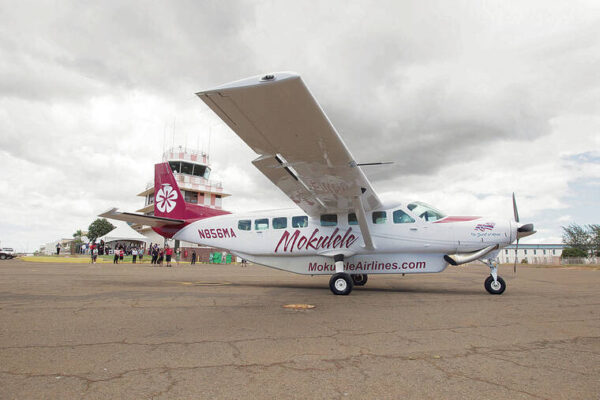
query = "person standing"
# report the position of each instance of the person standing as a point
(154, 255)
(116, 257)
(168, 254)
(193, 257)
(161, 256)
(177, 255)
(58, 248)
(134, 253)
(121, 254)
(94, 254)
(141, 254)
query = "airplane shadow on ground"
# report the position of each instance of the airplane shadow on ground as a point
(371, 289)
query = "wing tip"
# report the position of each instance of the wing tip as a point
(256, 80)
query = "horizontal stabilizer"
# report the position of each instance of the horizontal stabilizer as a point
(140, 219)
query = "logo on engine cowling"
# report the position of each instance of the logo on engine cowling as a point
(166, 198)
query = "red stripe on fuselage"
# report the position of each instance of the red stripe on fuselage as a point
(455, 219)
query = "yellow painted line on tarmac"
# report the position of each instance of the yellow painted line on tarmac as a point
(70, 260)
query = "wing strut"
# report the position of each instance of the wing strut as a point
(362, 222)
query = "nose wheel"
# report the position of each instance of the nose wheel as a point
(494, 284)
(497, 286)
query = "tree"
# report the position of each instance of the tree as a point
(594, 232)
(76, 247)
(99, 227)
(577, 237)
(571, 252)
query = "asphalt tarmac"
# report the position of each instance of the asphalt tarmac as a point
(70, 331)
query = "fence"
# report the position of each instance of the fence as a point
(579, 260)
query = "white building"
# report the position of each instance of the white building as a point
(533, 253)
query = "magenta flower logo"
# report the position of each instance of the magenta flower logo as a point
(165, 199)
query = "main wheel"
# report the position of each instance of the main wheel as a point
(360, 279)
(341, 283)
(497, 287)
(2, 256)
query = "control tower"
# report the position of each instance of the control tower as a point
(191, 169)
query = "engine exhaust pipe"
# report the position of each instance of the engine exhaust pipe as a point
(457, 259)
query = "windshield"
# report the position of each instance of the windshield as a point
(425, 211)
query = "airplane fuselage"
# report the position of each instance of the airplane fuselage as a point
(289, 240)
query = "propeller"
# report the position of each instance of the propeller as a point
(522, 230)
(516, 214)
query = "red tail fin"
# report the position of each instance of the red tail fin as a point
(169, 202)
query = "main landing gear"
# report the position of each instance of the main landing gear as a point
(360, 279)
(342, 283)
(494, 284)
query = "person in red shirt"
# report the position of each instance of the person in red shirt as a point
(168, 254)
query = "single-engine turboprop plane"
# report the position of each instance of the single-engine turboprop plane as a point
(341, 227)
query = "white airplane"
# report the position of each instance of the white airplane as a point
(341, 227)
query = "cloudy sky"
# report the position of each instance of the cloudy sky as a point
(471, 100)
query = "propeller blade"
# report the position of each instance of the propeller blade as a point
(515, 211)
(516, 256)
(374, 163)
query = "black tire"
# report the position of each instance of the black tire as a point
(360, 279)
(494, 290)
(2, 256)
(341, 284)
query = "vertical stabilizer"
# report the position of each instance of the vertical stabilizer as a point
(168, 201)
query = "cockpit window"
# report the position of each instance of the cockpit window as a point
(400, 217)
(425, 211)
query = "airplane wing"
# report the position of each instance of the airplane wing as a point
(140, 219)
(300, 150)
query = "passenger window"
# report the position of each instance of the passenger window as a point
(280, 223)
(379, 217)
(400, 217)
(300, 221)
(352, 219)
(329, 220)
(261, 224)
(244, 224)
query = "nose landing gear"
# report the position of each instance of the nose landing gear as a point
(494, 284)
(495, 287)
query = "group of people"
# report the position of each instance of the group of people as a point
(120, 252)
(159, 255)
